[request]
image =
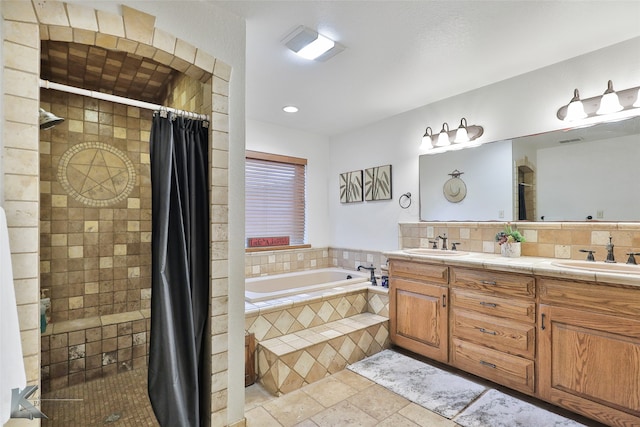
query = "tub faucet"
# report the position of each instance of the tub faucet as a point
(372, 269)
(610, 257)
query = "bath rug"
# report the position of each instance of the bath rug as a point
(430, 387)
(497, 409)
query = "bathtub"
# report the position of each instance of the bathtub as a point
(301, 282)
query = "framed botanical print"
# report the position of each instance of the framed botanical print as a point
(377, 183)
(351, 187)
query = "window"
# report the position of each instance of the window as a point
(275, 198)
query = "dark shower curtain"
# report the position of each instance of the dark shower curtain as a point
(178, 363)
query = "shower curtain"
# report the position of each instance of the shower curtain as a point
(178, 363)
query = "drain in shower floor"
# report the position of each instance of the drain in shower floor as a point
(112, 418)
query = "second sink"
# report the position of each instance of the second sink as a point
(599, 266)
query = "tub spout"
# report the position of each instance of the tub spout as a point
(372, 269)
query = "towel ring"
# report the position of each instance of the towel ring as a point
(405, 200)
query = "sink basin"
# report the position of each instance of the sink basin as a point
(601, 267)
(438, 252)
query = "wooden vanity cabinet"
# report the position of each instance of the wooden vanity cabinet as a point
(492, 326)
(418, 300)
(589, 349)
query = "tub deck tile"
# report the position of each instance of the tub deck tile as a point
(291, 361)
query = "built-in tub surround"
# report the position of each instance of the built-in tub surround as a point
(543, 239)
(308, 338)
(265, 263)
(299, 283)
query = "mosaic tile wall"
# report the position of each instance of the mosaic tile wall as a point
(543, 239)
(95, 212)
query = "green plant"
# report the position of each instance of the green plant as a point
(509, 235)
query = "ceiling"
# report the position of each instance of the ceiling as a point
(401, 55)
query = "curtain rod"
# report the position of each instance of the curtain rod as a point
(119, 99)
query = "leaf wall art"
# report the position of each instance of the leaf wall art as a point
(377, 183)
(351, 187)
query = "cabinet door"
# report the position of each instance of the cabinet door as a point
(590, 364)
(418, 317)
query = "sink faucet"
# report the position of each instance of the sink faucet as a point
(610, 257)
(632, 259)
(444, 242)
(590, 253)
(372, 269)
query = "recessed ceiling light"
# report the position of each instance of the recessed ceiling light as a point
(290, 109)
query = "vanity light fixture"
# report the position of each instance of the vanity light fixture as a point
(464, 133)
(610, 102)
(443, 136)
(309, 44)
(427, 139)
(575, 109)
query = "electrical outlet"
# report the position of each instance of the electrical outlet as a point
(501, 213)
(600, 214)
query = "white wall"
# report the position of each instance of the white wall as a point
(519, 106)
(487, 176)
(275, 139)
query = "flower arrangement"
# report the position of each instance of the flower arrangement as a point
(509, 235)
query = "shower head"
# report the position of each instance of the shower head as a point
(48, 120)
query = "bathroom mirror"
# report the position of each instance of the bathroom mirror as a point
(580, 174)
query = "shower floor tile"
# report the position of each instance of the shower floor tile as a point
(118, 400)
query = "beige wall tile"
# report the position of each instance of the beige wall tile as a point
(21, 187)
(51, 12)
(106, 41)
(82, 17)
(22, 33)
(163, 40)
(222, 70)
(111, 24)
(21, 57)
(84, 36)
(18, 11)
(185, 51)
(58, 33)
(127, 45)
(23, 239)
(21, 135)
(205, 61)
(138, 25)
(17, 161)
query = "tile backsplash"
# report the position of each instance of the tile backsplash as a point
(543, 239)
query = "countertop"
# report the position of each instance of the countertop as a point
(524, 265)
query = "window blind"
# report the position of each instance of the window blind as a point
(275, 197)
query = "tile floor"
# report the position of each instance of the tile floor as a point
(342, 399)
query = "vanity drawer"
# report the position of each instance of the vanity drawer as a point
(494, 283)
(500, 334)
(419, 271)
(590, 296)
(512, 371)
(521, 310)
